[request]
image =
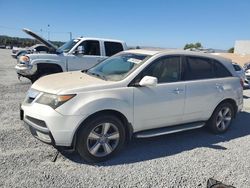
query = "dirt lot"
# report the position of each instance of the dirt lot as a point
(185, 159)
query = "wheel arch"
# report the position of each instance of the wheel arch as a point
(52, 66)
(230, 101)
(127, 125)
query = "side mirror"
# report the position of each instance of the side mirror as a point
(148, 81)
(80, 50)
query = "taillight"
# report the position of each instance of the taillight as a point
(242, 83)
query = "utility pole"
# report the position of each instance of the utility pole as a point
(48, 32)
(70, 35)
(41, 30)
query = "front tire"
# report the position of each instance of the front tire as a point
(100, 138)
(221, 119)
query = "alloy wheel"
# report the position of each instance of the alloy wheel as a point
(103, 139)
(224, 118)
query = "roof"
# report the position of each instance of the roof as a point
(144, 51)
(101, 39)
(237, 58)
(178, 52)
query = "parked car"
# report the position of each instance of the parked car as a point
(241, 73)
(247, 73)
(37, 48)
(77, 54)
(138, 93)
(246, 66)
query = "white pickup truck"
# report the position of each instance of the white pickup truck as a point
(77, 54)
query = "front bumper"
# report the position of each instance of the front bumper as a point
(44, 136)
(48, 125)
(25, 70)
(13, 55)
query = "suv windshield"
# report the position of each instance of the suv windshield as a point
(118, 66)
(67, 46)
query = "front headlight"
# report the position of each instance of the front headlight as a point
(24, 59)
(54, 101)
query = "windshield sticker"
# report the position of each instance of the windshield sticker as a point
(135, 61)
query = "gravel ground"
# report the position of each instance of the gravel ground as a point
(185, 159)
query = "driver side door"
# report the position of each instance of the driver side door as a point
(90, 57)
(161, 105)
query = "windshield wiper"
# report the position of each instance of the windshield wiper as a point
(95, 74)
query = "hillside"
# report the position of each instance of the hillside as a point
(21, 42)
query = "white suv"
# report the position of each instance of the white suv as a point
(136, 93)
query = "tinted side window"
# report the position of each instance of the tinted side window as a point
(166, 69)
(91, 47)
(237, 68)
(198, 68)
(112, 48)
(220, 70)
(42, 48)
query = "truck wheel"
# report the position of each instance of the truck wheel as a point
(100, 138)
(36, 76)
(221, 119)
(40, 74)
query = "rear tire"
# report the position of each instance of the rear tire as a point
(221, 118)
(100, 138)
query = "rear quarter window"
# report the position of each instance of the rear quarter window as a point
(112, 48)
(220, 70)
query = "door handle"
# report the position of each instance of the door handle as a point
(178, 91)
(219, 86)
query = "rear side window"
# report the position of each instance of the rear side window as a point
(220, 70)
(198, 68)
(112, 48)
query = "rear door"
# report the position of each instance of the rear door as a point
(204, 88)
(163, 104)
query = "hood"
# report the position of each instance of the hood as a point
(69, 82)
(46, 57)
(40, 39)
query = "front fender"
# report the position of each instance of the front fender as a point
(49, 61)
(120, 100)
(107, 104)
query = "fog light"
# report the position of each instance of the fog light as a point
(43, 136)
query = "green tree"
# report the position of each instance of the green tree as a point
(193, 45)
(230, 50)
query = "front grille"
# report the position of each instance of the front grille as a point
(37, 122)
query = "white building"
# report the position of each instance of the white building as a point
(242, 47)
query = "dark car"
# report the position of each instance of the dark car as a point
(38, 48)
